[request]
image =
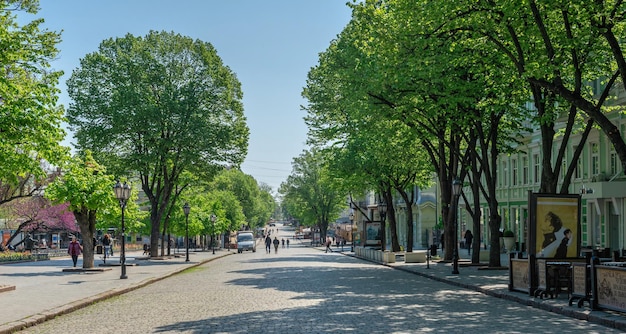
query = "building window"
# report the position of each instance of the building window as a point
(595, 159)
(578, 172)
(525, 170)
(514, 172)
(505, 174)
(536, 165)
(614, 161)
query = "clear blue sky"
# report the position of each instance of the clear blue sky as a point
(269, 44)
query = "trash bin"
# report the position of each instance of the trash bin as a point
(99, 249)
(433, 250)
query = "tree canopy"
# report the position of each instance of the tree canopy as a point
(311, 193)
(156, 107)
(87, 188)
(30, 121)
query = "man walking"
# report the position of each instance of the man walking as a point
(276, 243)
(268, 244)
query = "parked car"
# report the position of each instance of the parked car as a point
(246, 241)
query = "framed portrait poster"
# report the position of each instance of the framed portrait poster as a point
(554, 226)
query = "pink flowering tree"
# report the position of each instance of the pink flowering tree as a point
(38, 214)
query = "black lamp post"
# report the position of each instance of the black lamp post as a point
(382, 211)
(213, 218)
(122, 193)
(456, 191)
(186, 209)
(352, 231)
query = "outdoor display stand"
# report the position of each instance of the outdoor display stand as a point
(518, 274)
(609, 286)
(552, 277)
(553, 241)
(581, 284)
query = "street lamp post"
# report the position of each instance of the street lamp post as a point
(352, 231)
(122, 193)
(213, 218)
(382, 210)
(456, 191)
(186, 209)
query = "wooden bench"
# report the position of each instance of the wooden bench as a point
(415, 256)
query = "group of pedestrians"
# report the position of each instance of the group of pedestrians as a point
(269, 242)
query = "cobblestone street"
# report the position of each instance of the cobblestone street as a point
(304, 290)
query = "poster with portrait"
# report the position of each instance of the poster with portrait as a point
(554, 229)
(373, 233)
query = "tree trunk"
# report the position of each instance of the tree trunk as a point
(476, 215)
(494, 229)
(408, 201)
(409, 227)
(448, 221)
(391, 217)
(393, 229)
(86, 220)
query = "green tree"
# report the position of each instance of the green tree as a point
(249, 194)
(87, 188)
(204, 204)
(230, 210)
(422, 81)
(135, 219)
(311, 193)
(30, 125)
(345, 101)
(158, 106)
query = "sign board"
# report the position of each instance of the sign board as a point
(611, 287)
(554, 226)
(519, 275)
(373, 233)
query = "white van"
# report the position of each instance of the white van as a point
(245, 241)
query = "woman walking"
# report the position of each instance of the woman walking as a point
(74, 249)
(106, 241)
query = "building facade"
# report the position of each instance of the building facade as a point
(598, 178)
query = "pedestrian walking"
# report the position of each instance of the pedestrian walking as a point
(287, 243)
(468, 240)
(276, 243)
(329, 242)
(441, 241)
(106, 242)
(283, 242)
(268, 244)
(74, 249)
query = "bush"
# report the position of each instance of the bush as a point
(508, 233)
(9, 256)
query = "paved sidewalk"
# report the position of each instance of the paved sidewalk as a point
(494, 282)
(44, 291)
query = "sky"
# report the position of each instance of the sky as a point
(269, 44)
